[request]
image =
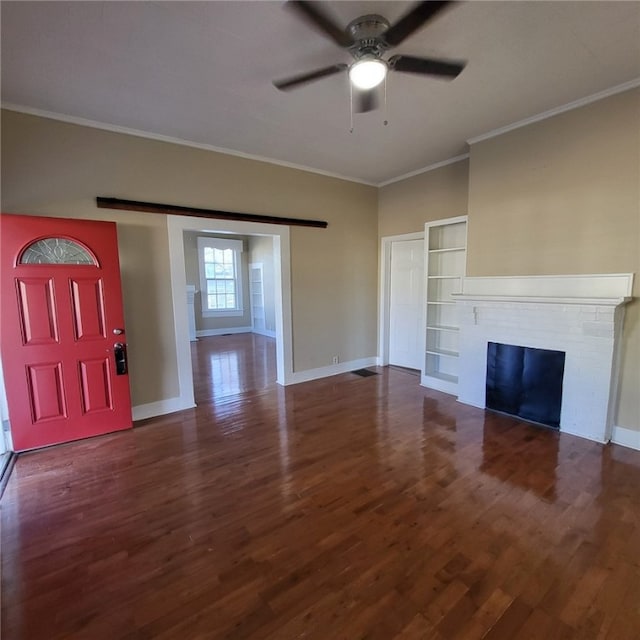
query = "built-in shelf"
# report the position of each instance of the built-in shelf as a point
(445, 241)
(447, 250)
(444, 352)
(436, 327)
(444, 377)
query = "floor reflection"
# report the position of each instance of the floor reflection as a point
(512, 462)
(225, 366)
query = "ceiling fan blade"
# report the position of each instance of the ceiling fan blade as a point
(365, 100)
(427, 66)
(412, 21)
(313, 15)
(310, 76)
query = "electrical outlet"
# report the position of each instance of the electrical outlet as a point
(335, 359)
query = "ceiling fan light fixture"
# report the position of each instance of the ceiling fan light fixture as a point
(367, 73)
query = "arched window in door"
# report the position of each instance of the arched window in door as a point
(56, 251)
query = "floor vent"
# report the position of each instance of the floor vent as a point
(365, 373)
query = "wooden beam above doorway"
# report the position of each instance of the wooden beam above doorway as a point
(176, 210)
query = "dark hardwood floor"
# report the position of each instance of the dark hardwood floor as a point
(343, 508)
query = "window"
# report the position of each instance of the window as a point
(56, 251)
(220, 276)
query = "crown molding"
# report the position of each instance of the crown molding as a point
(113, 128)
(431, 167)
(576, 104)
(626, 86)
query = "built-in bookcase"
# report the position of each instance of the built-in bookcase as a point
(446, 253)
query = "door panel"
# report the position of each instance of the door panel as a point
(405, 312)
(94, 385)
(36, 309)
(57, 329)
(86, 300)
(46, 391)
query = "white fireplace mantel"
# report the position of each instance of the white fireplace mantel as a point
(581, 315)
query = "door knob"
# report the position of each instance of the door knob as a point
(118, 332)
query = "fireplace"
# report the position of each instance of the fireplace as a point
(525, 382)
(579, 316)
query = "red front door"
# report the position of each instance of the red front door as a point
(63, 342)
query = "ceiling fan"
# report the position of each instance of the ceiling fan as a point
(367, 39)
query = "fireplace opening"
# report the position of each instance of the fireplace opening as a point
(525, 382)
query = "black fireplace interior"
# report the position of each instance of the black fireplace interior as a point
(525, 382)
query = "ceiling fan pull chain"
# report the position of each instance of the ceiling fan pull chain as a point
(386, 109)
(350, 107)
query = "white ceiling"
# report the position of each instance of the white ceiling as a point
(202, 71)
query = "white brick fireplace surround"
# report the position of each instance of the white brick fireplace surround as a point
(581, 315)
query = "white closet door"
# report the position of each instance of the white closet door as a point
(405, 312)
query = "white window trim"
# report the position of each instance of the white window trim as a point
(221, 243)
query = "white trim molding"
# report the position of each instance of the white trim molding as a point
(332, 370)
(205, 333)
(160, 408)
(597, 289)
(625, 437)
(550, 113)
(114, 128)
(267, 333)
(431, 167)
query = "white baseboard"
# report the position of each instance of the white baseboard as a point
(221, 332)
(264, 332)
(160, 408)
(331, 370)
(580, 434)
(626, 437)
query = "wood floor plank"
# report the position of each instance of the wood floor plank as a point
(346, 507)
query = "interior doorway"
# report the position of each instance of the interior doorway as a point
(176, 226)
(405, 303)
(401, 318)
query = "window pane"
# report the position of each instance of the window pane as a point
(56, 251)
(219, 276)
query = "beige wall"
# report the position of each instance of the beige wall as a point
(192, 273)
(55, 168)
(563, 196)
(560, 196)
(404, 207)
(261, 250)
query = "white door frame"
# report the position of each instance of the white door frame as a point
(385, 292)
(176, 226)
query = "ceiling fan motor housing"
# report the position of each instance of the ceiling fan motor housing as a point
(366, 32)
(367, 39)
